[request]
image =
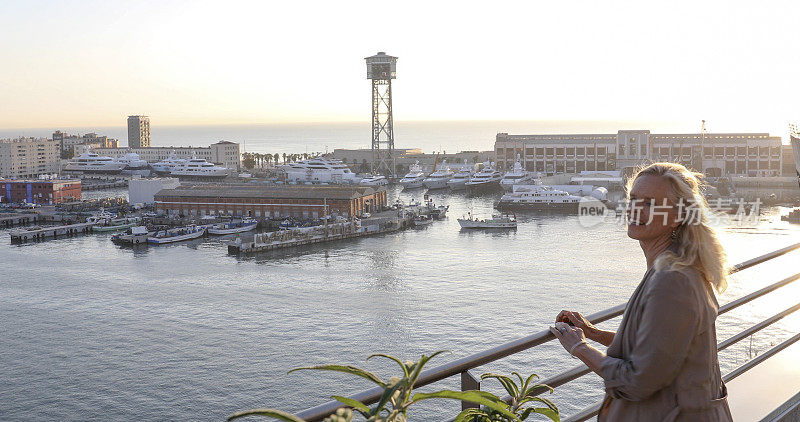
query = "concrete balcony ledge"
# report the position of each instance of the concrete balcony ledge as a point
(770, 392)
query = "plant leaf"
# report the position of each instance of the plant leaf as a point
(481, 397)
(399, 362)
(471, 415)
(507, 382)
(272, 413)
(412, 377)
(355, 404)
(542, 400)
(550, 413)
(387, 395)
(529, 390)
(352, 370)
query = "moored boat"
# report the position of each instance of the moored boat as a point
(133, 236)
(496, 222)
(117, 224)
(486, 180)
(177, 235)
(231, 227)
(414, 178)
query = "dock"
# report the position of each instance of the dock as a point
(39, 233)
(18, 219)
(263, 242)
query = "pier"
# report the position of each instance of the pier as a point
(263, 242)
(18, 219)
(38, 233)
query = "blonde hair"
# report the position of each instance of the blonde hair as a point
(698, 245)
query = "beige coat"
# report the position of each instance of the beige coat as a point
(662, 364)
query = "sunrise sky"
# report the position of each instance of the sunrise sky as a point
(71, 63)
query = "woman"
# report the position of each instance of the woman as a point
(661, 364)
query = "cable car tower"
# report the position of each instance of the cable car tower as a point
(381, 69)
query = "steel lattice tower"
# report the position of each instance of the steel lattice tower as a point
(381, 69)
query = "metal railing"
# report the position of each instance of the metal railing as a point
(462, 366)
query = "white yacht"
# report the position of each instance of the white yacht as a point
(517, 176)
(414, 178)
(89, 162)
(438, 179)
(166, 165)
(460, 179)
(374, 180)
(488, 179)
(320, 170)
(131, 161)
(199, 167)
(538, 197)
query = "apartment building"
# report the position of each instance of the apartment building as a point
(28, 157)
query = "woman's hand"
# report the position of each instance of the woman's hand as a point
(576, 319)
(569, 336)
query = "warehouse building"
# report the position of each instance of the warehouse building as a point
(716, 154)
(271, 201)
(42, 192)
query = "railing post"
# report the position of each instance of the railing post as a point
(469, 382)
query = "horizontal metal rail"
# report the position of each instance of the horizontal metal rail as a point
(459, 366)
(756, 328)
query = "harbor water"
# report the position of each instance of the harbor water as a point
(94, 331)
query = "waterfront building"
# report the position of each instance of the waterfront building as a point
(74, 144)
(142, 191)
(42, 192)
(224, 153)
(281, 201)
(715, 154)
(28, 157)
(138, 131)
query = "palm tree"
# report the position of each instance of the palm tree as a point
(284, 158)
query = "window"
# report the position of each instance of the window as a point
(580, 151)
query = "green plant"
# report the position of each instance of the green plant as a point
(398, 396)
(522, 395)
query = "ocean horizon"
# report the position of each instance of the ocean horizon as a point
(430, 136)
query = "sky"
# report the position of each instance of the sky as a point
(84, 63)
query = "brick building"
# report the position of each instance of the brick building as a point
(271, 201)
(42, 192)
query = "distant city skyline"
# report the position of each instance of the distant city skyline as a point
(198, 63)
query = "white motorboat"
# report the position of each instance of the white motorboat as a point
(176, 235)
(486, 180)
(374, 180)
(166, 165)
(102, 217)
(199, 167)
(517, 176)
(231, 227)
(496, 222)
(438, 179)
(460, 179)
(90, 162)
(414, 178)
(131, 161)
(133, 236)
(320, 170)
(538, 197)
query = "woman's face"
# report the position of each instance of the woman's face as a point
(651, 213)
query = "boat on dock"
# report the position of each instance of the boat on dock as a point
(422, 220)
(460, 179)
(496, 222)
(538, 197)
(517, 176)
(133, 236)
(415, 177)
(231, 227)
(117, 224)
(486, 180)
(374, 180)
(177, 235)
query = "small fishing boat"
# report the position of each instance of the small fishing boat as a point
(422, 220)
(117, 224)
(133, 236)
(496, 222)
(177, 235)
(231, 227)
